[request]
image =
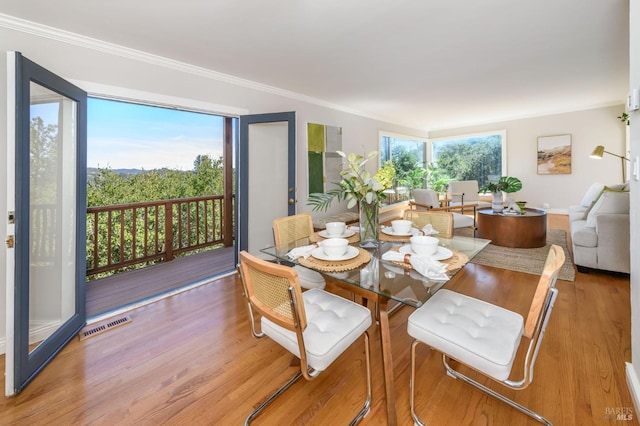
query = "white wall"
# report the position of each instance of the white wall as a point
(588, 129)
(75, 60)
(633, 370)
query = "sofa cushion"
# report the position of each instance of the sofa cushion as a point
(576, 213)
(583, 235)
(609, 202)
(592, 193)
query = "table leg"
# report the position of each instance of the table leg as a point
(387, 362)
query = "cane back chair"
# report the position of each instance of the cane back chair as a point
(315, 326)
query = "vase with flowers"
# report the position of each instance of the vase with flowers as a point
(359, 187)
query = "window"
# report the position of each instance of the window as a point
(480, 157)
(409, 157)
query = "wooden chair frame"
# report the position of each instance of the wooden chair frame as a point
(451, 209)
(534, 328)
(441, 221)
(274, 292)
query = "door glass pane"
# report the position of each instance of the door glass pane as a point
(52, 196)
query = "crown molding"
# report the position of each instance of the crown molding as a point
(56, 34)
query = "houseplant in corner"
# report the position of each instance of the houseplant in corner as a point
(506, 184)
(359, 187)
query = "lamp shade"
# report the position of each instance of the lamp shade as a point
(597, 152)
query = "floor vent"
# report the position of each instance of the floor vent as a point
(101, 327)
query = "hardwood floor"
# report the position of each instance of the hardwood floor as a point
(191, 360)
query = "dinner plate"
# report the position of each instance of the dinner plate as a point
(352, 252)
(346, 234)
(389, 231)
(441, 254)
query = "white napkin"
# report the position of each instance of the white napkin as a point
(302, 251)
(428, 230)
(425, 265)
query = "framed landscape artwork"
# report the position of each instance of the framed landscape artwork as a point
(554, 155)
(324, 164)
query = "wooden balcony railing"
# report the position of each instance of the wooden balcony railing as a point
(121, 236)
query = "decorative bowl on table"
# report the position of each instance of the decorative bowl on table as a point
(521, 205)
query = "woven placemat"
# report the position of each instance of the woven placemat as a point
(453, 264)
(386, 237)
(315, 237)
(336, 266)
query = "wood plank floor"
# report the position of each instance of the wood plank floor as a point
(131, 287)
(191, 360)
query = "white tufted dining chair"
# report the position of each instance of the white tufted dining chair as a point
(483, 336)
(315, 326)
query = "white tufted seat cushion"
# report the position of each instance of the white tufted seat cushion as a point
(477, 333)
(333, 324)
(309, 278)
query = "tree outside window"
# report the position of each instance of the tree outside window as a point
(480, 157)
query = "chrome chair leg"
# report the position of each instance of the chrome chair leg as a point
(412, 379)
(456, 374)
(273, 397)
(367, 403)
(361, 414)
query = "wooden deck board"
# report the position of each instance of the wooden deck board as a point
(130, 287)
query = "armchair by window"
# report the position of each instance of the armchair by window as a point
(427, 199)
(466, 192)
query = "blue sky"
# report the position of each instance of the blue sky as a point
(124, 135)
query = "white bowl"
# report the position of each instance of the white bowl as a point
(335, 229)
(424, 245)
(335, 247)
(401, 226)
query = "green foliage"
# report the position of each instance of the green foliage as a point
(505, 184)
(474, 159)
(437, 179)
(624, 117)
(43, 160)
(111, 188)
(357, 184)
(408, 166)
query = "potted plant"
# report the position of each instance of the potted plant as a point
(506, 184)
(361, 188)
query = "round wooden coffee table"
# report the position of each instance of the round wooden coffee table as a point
(526, 230)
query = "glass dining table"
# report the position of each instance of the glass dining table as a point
(380, 281)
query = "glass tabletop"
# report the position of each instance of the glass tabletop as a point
(391, 279)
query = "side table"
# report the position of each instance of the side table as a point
(528, 230)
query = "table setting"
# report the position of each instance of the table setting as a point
(337, 230)
(330, 255)
(403, 230)
(427, 257)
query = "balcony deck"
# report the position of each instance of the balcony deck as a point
(128, 288)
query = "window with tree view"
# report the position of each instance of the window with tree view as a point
(480, 157)
(408, 157)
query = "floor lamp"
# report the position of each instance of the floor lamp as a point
(599, 151)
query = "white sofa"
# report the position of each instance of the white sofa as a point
(600, 229)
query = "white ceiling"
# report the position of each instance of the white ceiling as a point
(426, 64)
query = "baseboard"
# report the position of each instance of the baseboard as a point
(38, 333)
(634, 385)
